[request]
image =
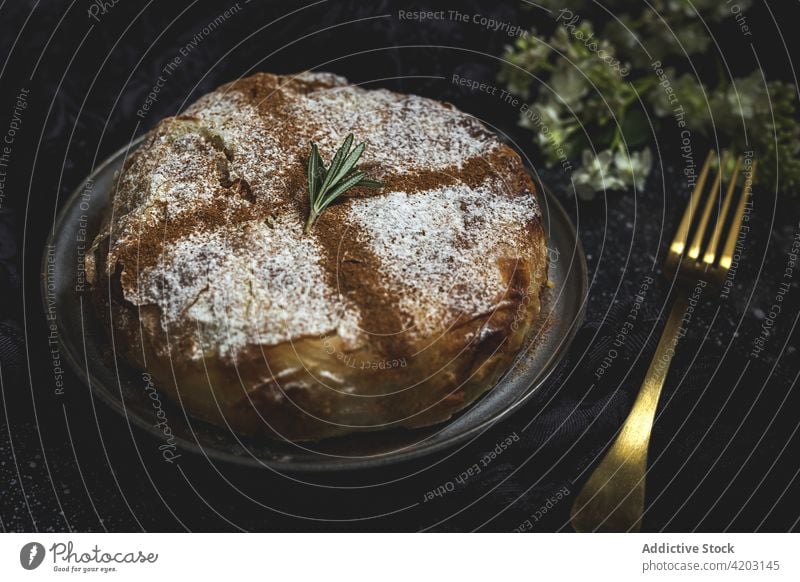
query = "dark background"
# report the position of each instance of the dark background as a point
(725, 449)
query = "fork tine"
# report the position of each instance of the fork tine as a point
(713, 243)
(726, 259)
(682, 234)
(697, 241)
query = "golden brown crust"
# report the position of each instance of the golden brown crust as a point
(402, 306)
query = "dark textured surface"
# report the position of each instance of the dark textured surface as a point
(724, 450)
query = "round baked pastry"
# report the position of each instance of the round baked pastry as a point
(399, 308)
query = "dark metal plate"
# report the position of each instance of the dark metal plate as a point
(88, 350)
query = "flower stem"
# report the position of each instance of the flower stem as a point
(312, 218)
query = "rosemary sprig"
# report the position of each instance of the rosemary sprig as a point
(326, 184)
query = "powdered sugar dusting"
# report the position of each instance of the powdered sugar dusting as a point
(181, 173)
(402, 132)
(251, 139)
(238, 298)
(223, 186)
(440, 249)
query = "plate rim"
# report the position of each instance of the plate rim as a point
(105, 396)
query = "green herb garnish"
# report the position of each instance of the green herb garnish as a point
(326, 184)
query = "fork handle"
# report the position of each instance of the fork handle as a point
(613, 497)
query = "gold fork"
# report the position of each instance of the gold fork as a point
(613, 497)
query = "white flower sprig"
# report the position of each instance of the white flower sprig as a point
(582, 104)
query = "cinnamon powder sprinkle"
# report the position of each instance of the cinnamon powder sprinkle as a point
(208, 218)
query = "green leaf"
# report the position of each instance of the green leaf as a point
(341, 188)
(320, 165)
(349, 163)
(336, 163)
(326, 184)
(313, 172)
(635, 128)
(367, 183)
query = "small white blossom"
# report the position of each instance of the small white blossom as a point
(595, 174)
(633, 167)
(609, 170)
(570, 85)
